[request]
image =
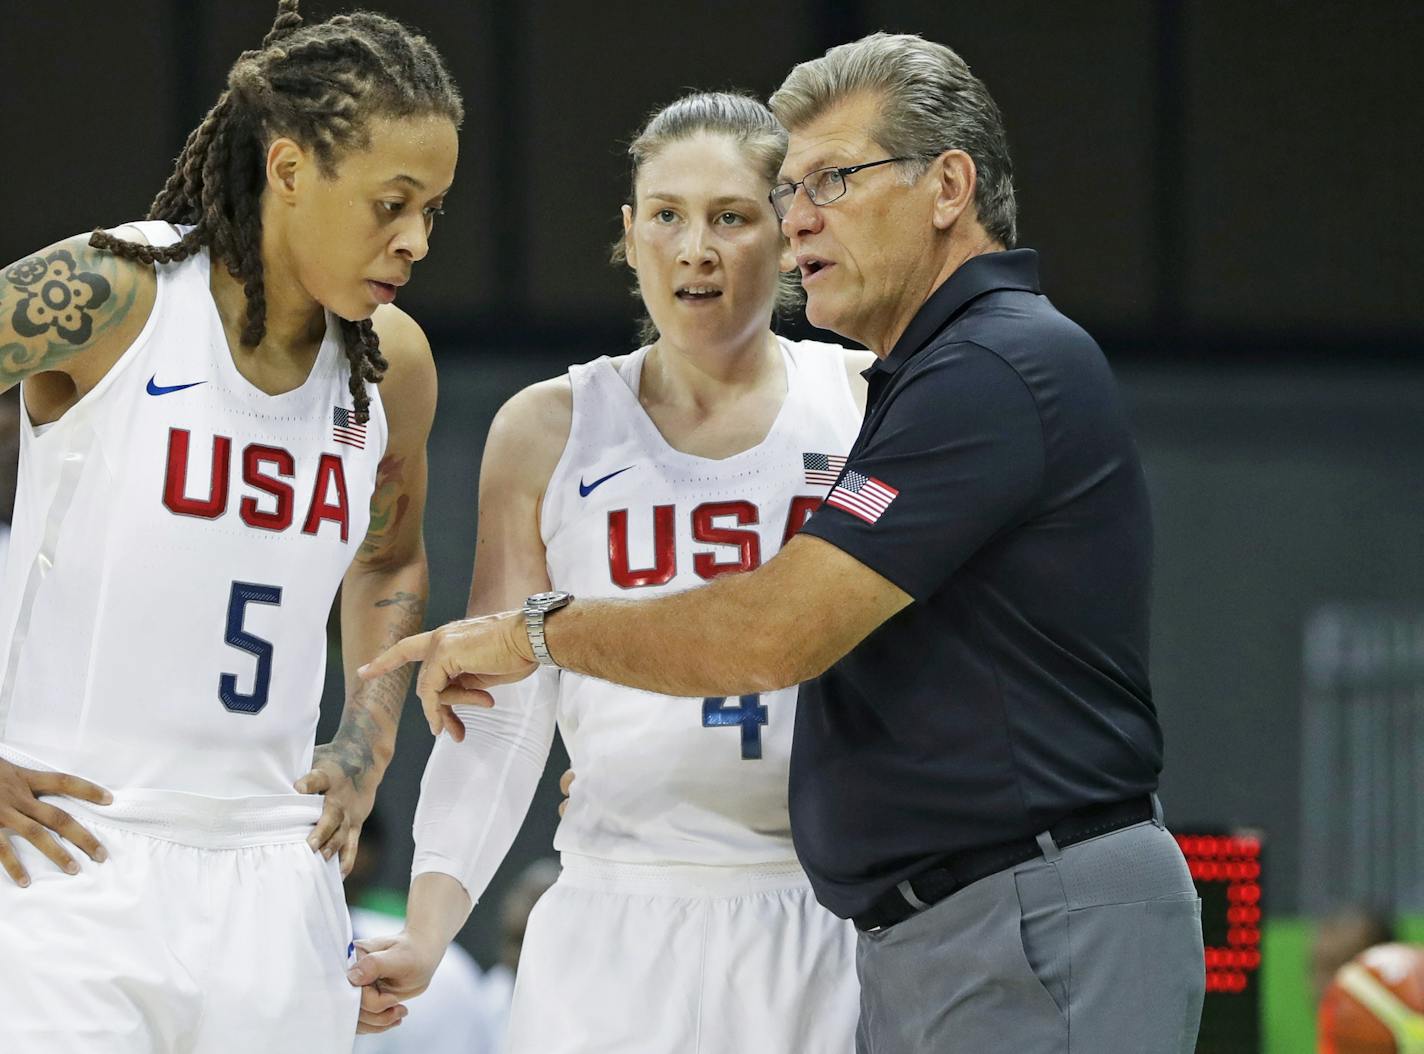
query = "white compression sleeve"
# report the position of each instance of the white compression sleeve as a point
(474, 794)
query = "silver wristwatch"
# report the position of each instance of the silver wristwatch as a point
(535, 608)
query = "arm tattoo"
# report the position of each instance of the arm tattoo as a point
(389, 503)
(53, 304)
(351, 747)
(373, 709)
(408, 602)
(55, 294)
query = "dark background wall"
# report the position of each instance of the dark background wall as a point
(1228, 195)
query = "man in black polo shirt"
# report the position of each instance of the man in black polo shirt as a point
(976, 749)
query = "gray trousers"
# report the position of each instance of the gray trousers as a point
(1094, 949)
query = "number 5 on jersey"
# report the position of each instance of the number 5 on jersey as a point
(751, 715)
(244, 593)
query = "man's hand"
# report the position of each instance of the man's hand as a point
(460, 660)
(348, 794)
(22, 812)
(388, 970)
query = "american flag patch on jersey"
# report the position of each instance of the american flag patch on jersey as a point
(822, 469)
(344, 428)
(861, 495)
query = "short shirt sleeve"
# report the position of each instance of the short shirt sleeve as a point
(955, 456)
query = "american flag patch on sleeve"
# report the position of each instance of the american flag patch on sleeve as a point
(822, 469)
(344, 428)
(862, 495)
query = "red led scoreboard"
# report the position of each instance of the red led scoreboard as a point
(1227, 871)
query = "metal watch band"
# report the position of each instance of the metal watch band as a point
(534, 623)
(536, 608)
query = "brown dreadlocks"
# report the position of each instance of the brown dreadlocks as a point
(321, 85)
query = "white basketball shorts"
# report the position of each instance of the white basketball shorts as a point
(632, 958)
(211, 929)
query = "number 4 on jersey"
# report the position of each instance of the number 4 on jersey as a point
(751, 715)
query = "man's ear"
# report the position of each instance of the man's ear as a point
(955, 178)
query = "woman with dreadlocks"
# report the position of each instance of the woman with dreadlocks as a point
(206, 457)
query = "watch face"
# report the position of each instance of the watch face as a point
(554, 599)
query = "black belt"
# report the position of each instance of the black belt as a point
(952, 873)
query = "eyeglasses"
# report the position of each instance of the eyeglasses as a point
(823, 186)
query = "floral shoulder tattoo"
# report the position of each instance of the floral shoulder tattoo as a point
(51, 306)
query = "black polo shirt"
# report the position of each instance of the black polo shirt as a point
(996, 482)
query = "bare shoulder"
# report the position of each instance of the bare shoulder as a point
(409, 388)
(527, 437)
(403, 343)
(534, 424)
(70, 309)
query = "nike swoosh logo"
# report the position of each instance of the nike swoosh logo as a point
(585, 489)
(167, 389)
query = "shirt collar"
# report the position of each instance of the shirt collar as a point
(986, 273)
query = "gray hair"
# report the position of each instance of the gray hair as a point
(930, 103)
(743, 119)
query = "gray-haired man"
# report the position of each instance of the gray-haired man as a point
(976, 753)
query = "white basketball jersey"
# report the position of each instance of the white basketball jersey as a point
(178, 538)
(663, 779)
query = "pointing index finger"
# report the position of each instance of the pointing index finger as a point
(411, 649)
